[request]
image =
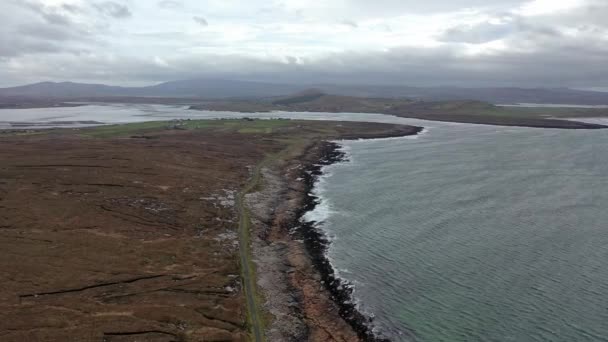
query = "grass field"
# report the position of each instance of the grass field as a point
(233, 125)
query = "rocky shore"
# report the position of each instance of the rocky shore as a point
(302, 293)
(317, 244)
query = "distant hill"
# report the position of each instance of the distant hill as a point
(304, 96)
(62, 90)
(314, 100)
(207, 89)
(492, 95)
(230, 89)
(463, 111)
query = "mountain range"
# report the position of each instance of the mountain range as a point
(234, 89)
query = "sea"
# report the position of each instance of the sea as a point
(474, 233)
(462, 233)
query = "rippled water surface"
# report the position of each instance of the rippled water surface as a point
(475, 233)
(465, 233)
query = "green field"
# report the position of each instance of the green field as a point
(142, 128)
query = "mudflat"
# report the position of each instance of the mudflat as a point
(130, 232)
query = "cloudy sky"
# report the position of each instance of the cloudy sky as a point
(432, 42)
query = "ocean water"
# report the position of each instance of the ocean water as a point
(464, 233)
(474, 233)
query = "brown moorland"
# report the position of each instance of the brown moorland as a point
(129, 233)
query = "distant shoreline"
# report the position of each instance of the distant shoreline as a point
(413, 112)
(457, 111)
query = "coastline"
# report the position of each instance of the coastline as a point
(302, 292)
(317, 245)
(160, 211)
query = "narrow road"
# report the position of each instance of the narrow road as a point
(247, 271)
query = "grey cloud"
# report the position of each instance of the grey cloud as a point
(33, 39)
(167, 35)
(51, 15)
(477, 34)
(569, 63)
(32, 5)
(71, 8)
(367, 8)
(32, 28)
(49, 33)
(510, 27)
(291, 59)
(201, 21)
(536, 52)
(538, 30)
(591, 14)
(349, 23)
(113, 9)
(552, 65)
(56, 19)
(13, 48)
(170, 4)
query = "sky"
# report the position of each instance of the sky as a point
(529, 43)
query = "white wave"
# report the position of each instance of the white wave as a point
(406, 137)
(319, 214)
(323, 211)
(340, 271)
(345, 148)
